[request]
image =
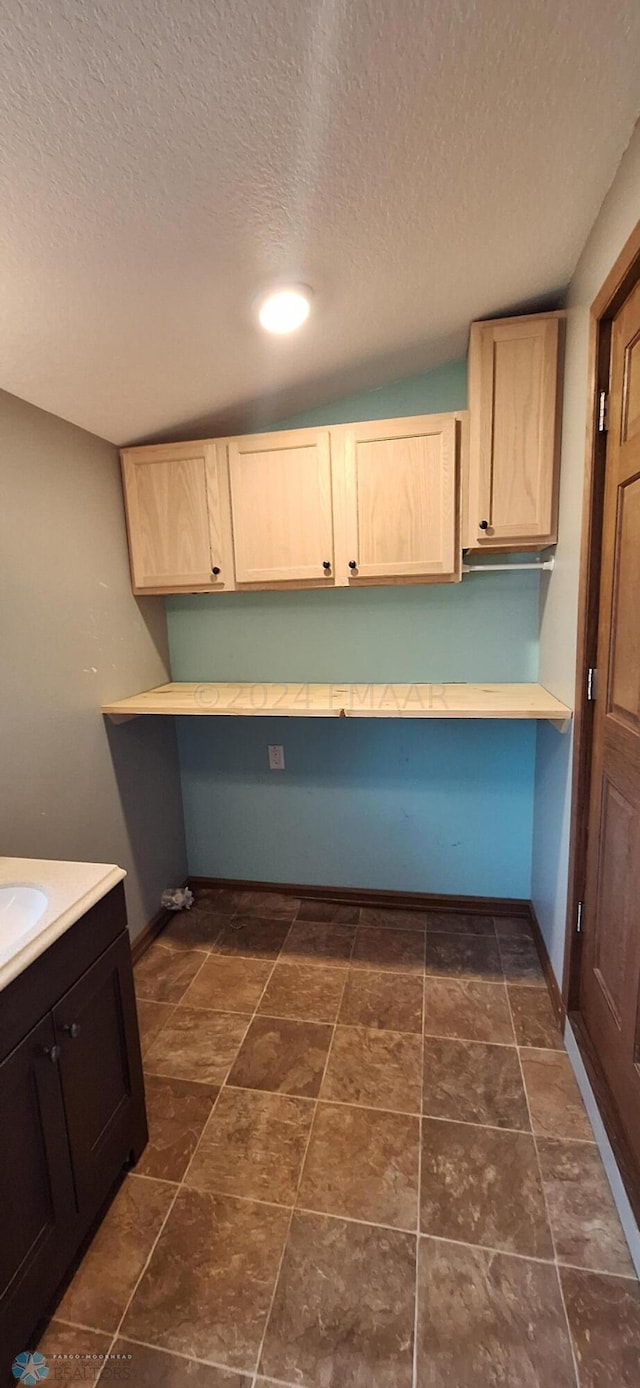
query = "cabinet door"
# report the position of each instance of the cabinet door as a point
(401, 500)
(178, 518)
(281, 507)
(101, 1074)
(513, 402)
(37, 1204)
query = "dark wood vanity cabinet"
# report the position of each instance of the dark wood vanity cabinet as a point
(71, 1108)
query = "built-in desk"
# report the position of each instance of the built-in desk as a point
(295, 700)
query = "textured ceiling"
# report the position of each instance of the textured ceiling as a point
(418, 162)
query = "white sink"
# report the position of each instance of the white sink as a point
(21, 907)
(40, 898)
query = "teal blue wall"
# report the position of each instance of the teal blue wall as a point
(441, 806)
(443, 389)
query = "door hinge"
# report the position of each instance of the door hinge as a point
(579, 917)
(603, 412)
(592, 683)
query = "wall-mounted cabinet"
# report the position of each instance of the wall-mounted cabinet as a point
(281, 508)
(368, 503)
(400, 494)
(178, 523)
(513, 466)
(382, 502)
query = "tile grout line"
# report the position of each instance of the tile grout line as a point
(181, 1185)
(416, 1312)
(189, 1358)
(318, 1021)
(250, 1016)
(223, 1085)
(152, 1250)
(546, 1207)
(297, 1192)
(177, 950)
(105, 1361)
(376, 1224)
(528, 1257)
(365, 966)
(138, 1280)
(171, 1005)
(278, 1382)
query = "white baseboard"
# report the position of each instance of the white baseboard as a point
(627, 1217)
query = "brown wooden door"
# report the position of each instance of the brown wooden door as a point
(100, 1070)
(37, 1205)
(610, 970)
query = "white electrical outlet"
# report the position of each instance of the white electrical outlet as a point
(276, 757)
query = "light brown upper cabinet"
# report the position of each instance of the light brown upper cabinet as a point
(514, 380)
(281, 506)
(176, 499)
(397, 489)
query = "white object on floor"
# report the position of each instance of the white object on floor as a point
(177, 899)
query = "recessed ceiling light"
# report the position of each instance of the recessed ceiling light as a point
(285, 309)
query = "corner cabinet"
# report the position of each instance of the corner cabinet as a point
(71, 1108)
(178, 524)
(511, 500)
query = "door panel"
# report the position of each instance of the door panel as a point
(402, 499)
(99, 1069)
(281, 507)
(37, 1205)
(616, 848)
(624, 684)
(631, 390)
(175, 517)
(610, 968)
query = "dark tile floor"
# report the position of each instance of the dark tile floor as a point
(369, 1167)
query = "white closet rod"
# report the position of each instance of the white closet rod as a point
(547, 564)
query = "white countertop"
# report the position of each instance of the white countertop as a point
(70, 888)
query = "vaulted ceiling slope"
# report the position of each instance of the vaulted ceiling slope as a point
(419, 163)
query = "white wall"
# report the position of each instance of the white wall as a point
(72, 636)
(559, 595)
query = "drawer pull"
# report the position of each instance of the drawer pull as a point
(73, 1030)
(52, 1053)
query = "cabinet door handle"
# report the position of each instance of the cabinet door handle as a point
(215, 571)
(353, 564)
(52, 1053)
(484, 525)
(73, 1029)
(326, 564)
